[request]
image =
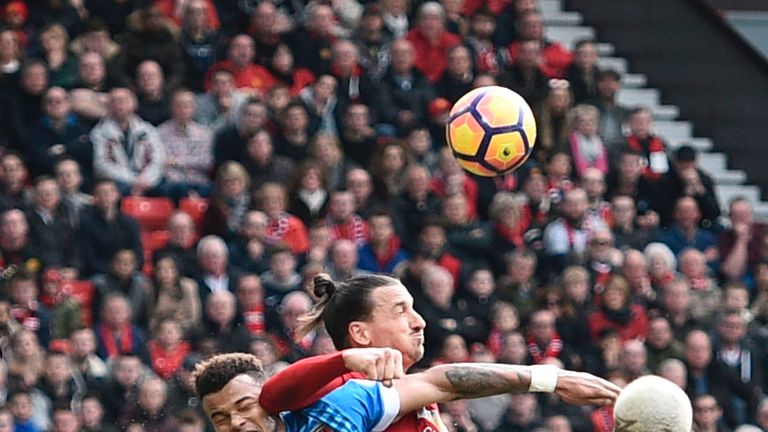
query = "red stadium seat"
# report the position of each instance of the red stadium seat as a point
(151, 213)
(82, 291)
(195, 207)
(150, 242)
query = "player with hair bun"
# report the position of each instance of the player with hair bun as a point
(326, 391)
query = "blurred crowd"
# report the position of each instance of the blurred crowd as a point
(174, 173)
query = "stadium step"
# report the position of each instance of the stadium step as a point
(638, 97)
(665, 112)
(700, 144)
(618, 64)
(673, 129)
(562, 18)
(605, 49)
(567, 35)
(726, 193)
(550, 6)
(632, 80)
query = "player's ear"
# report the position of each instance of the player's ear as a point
(359, 333)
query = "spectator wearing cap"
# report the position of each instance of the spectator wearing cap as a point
(431, 40)
(687, 179)
(403, 92)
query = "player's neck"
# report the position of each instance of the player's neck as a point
(279, 425)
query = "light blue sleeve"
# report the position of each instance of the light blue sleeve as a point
(357, 406)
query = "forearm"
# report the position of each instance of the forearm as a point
(476, 380)
(302, 383)
(734, 265)
(446, 383)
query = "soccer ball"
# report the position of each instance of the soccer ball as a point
(491, 131)
(653, 404)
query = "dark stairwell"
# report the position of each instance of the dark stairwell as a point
(699, 64)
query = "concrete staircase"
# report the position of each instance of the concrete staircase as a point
(567, 27)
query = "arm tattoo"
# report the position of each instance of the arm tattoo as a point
(473, 381)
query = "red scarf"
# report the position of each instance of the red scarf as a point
(166, 362)
(51, 301)
(277, 228)
(655, 145)
(389, 254)
(110, 342)
(353, 230)
(26, 316)
(254, 320)
(513, 236)
(551, 351)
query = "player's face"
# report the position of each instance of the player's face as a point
(235, 408)
(395, 324)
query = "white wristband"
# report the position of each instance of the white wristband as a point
(543, 378)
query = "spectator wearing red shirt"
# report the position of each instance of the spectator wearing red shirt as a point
(283, 69)
(431, 41)
(556, 58)
(642, 140)
(248, 76)
(618, 313)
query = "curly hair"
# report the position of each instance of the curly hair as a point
(213, 374)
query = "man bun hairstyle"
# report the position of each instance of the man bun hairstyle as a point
(342, 303)
(211, 375)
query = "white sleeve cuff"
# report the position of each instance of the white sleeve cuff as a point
(390, 399)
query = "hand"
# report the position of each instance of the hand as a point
(742, 231)
(378, 364)
(580, 388)
(648, 221)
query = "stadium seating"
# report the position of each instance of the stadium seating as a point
(151, 213)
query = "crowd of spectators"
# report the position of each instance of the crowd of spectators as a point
(314, 133)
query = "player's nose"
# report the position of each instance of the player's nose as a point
(237, 422)
(417, 322)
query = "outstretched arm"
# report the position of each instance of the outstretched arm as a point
(307, 380)
(475, 380)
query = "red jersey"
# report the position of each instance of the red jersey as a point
(308, 380)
